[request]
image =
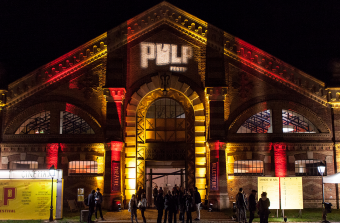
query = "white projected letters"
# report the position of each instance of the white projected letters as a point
(165, 54)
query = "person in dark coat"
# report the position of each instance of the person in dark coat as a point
(198, 201)
(241, 206)
(155, 194)
(181, 204)
(167, 203)
(189, 206)
(160, 207)
(252, 205)
(98, 199)
(264, 205)
(139, 194)
(92, 204)
(173, 207)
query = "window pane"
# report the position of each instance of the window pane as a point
(308, 168)
(258, 123)
(73, 124)
(81, 167)
(37, 124)
(295, 123)
(248, 167)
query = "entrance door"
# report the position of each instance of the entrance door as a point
(165, 174)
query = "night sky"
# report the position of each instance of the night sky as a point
(302, 33)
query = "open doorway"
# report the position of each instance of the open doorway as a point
(165, 175)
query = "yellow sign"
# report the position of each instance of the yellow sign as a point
(26, 199)
(291, 193)
(271, 185)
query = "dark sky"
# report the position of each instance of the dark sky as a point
(302, 33)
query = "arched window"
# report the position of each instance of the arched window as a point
(308, 168)
(37, 124)
(292, 122)
(258, 123)
(248, 167)
(165, 121)
(295, 123)
(73, 124)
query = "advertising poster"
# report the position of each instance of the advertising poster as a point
(26, 199)
(291, 193)
(271, 185)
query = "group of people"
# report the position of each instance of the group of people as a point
(242, 205)
(173, 202)
(94, 201)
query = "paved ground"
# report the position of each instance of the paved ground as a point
(151, 216)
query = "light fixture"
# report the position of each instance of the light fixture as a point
(321, 169)
(52, 174)
(285, 219)
(165, 82)
(210, 207)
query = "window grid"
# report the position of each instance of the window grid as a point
(23, 165)
(165, 121)
(295, 123)
(308, 168)
(73, 124)
(37, 124)
(248, 167)
(82, 167)
(258, 123)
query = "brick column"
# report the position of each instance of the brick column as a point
(114, 146)
(218, 189)
(280, 159)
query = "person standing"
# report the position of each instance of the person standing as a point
(241, 206)
(98, 200)
(155, 194)
(198, 201)
(167, 201)
(252, 205)
(264, 205)
(139, 194)
(133, 207)
(189, 206)
(160, 207)
(91, 204)
(142, 206)
(181, 204)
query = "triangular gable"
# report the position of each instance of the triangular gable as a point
(165, 13)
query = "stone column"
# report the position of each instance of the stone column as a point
(218, 189)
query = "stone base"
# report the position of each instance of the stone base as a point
(110, 201)
(219, 201)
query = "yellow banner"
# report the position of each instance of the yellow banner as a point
(26, 199)
(291, 193)
(272, 187)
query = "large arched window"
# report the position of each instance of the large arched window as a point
(258, 123)
(292, 122)
(165, 121)
(37, 124)
(73, 124)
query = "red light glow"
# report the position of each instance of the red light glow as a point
(280, 159)
(52, 155)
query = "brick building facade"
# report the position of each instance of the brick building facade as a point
(219, 104)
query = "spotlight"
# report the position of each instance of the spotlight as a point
(285, 218)
(119, 206)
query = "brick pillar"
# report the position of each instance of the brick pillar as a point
(113, 159)
(218, 189)
(280, 159)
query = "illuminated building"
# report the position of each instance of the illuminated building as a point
(166, 87)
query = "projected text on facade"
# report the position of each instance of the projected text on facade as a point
(165, 54)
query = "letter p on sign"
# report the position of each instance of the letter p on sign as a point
(9, 194)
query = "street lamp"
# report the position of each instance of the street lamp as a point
(52, 174)
(321, 169)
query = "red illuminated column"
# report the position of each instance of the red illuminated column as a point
(52, 155)
(116, 148)
(218, 188)
(118, 95)
(280, 159)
